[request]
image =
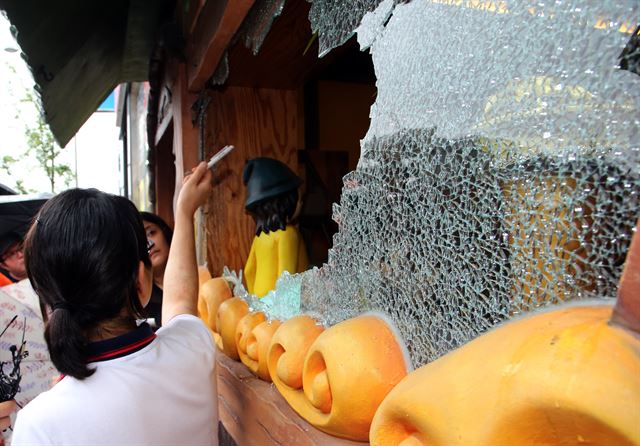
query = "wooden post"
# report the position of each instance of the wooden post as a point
(185, 134)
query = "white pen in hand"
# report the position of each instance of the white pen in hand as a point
(216, 158)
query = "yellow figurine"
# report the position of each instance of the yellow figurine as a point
(273, 202)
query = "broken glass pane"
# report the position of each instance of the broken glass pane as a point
(500, 172)
(336, 21)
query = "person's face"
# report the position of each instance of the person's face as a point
(160, 251)
(13, 261)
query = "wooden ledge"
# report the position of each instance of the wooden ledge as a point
(255, 414)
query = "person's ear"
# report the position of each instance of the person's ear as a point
(144, 283)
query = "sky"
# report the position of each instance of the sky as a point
(95, 151)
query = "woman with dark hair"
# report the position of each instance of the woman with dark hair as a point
(87, 259)
(273, 202)
(159, 234)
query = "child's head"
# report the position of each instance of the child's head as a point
(159, 232)
(86, 257)
(272, 193)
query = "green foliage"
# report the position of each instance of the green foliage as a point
(6, 164)
(43, 146)
(19, 186)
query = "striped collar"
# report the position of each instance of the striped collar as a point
(121, 345)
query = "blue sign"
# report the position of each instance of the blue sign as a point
(109, 104)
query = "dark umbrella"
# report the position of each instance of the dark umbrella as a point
(6, 190)
(16, 214)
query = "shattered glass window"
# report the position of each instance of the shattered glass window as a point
(500, 172)
(336, 21)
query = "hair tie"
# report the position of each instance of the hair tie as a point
(60, 306)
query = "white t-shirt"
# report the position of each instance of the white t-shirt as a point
(162, 394)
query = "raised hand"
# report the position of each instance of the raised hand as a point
(195, 189)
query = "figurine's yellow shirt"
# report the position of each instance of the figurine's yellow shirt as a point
(270, 255)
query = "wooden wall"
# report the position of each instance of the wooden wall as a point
(258, 122)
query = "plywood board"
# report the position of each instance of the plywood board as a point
(259, 122)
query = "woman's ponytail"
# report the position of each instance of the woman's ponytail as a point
(67, 344)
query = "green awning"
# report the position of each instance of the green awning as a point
(79, 50)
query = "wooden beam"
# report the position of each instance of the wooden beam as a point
(255, 414)
(215, 27)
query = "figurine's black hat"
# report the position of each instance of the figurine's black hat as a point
(267, 178)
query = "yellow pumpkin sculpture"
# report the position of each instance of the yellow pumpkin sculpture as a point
(348, 369)
(212, 293)
(253, 337)
(203, 274)
(557, 378)
(229, 314)
(287, 351)
(570, 376)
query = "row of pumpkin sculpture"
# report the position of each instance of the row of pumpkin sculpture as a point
(561, 377)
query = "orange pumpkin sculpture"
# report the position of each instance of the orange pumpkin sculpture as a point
(336, 378)
(569, 376)
(210, 296)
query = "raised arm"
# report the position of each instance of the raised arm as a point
(180, 294)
